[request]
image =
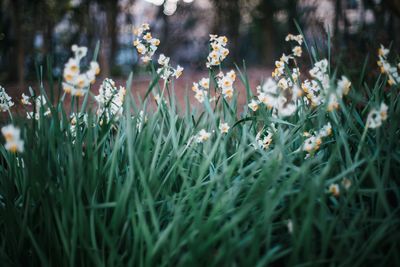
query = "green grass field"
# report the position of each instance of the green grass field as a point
(144, 189)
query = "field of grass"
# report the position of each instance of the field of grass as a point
(142, 187)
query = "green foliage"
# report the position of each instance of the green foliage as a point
(137, 192)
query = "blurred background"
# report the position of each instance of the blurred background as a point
(31, 31)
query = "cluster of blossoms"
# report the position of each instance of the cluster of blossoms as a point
(40, 103)
(314, 141)
(141, 119)
(166, 71)
(25, 100)
(202, 136)
(386, 67)
(82, 118)
(76, 82)
(334, 189)
(110, 101)
(5, 100)
(282, 92)
(376, 117)
(263, 142)
(318, 89)
(225, 83)
(218, 50)
(145, 44)
(275, 97)
(201, 89)
(13, 140)
(297, 38)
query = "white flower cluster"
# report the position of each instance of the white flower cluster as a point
(201, 89)
(74, 117)
(202, 136)
(386, 67)
(318, 90)
(218, 51)
(25, 100)
(297, 38)
(141, 119)
(166, 71)
(314, 141)
(376, 117)
(225, 83)
(145, 44)
(76, 82)
(13, 140)
(40, 103)
(281, 92)
(263, 142)
(275, 96)
(5, 100)
(297, 51)
(110, 100)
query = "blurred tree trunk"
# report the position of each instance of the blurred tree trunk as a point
(394, 6)
(338, 16)
(265, 23)
(112, 15)
(227, 21)
(19, 50)
(293, 16)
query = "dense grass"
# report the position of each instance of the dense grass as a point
(136, 192)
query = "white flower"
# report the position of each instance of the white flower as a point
(25, 100)
(386, 67)
(202, 136)
(297, 51)
(178, 71)
(79, 52)
(225, 82)
(270, 86)
(205, 83)
(5, 100)
(310, 144)
(343, 85)
(334, 190)
(218, 52)
(253, 105)
(110, 100)
(76, 82)
(224, 128)
(141, 120)
(40, 103)
(146, 45)
(297, 38)
(376, 117)
(12, 136)
(200, 95)
(285, 108)
(313, 142)
(163, 60)
(383, 51)
(332, 102)
(326, 130)
(166, 71)
(264, 143)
